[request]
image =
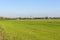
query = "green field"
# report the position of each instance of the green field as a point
(31, 29)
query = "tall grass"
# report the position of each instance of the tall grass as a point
(7, 36)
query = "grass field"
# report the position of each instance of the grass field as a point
(31, 29)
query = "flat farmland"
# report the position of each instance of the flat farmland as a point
(31, 29)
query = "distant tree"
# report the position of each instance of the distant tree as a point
(46, 17)
(1, 18)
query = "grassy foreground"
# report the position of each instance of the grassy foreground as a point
(31, 29)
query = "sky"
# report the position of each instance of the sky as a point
(27, 8)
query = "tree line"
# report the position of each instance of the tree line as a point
(20, 18)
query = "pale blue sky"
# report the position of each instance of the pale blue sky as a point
(26, 8)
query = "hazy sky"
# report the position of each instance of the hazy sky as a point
(26, 8)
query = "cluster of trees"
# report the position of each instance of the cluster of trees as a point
(19, 18)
